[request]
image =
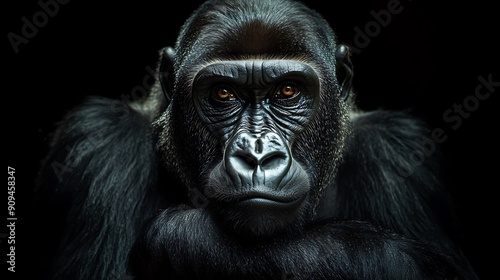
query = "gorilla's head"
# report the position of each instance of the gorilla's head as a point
(257, 115)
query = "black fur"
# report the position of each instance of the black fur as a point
(122, 187)
(99, 184)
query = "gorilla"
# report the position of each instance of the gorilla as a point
(248, 159)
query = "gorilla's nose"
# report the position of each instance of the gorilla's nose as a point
(257, 161)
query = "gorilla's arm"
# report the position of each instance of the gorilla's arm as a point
(387, 166)
(186, 243)
(91, 197)
(391, 176)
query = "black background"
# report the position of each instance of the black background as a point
(427, 58)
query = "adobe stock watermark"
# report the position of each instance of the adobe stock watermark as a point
(373, 28)
(454, 118)
(31, 26)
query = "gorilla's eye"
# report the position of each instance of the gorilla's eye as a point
(223, 93)
(287, 90)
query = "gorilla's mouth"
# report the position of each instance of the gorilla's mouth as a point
(263, 202)
(270, 203)
(266, 196)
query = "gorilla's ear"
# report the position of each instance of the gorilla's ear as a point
(344, 69)
(166, 71)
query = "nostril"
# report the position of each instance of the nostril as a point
(273, 161)
(245, 161)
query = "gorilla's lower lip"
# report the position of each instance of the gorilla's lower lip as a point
(269, 197)
(270, 201)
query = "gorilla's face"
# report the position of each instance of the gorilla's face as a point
(253, 129)
(256, 109)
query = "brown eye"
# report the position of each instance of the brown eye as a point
(286, 91)
(224, 94)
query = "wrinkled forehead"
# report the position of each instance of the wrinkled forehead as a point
(256, 74)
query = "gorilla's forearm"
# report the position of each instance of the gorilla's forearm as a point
(187, 244)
